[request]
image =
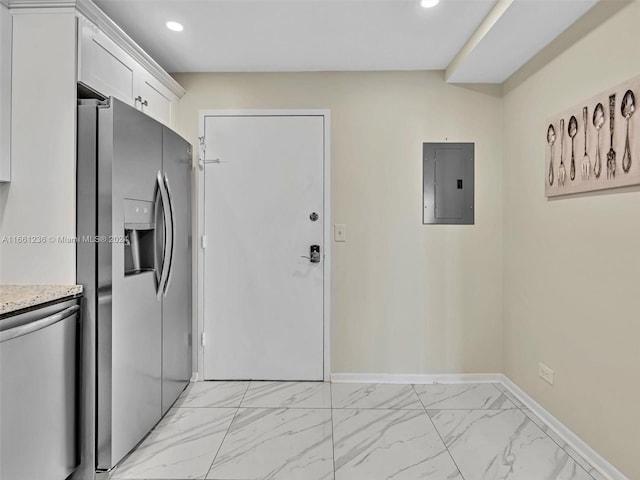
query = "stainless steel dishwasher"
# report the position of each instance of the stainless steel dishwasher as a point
(38, 393)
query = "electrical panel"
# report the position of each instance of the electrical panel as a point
(448, 190)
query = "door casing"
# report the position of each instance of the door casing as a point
(199, 226)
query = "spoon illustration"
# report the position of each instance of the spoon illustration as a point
(573, 129)
(611, 155)
(628, 107)
(562, 172)
(598, 121)
(551, 139)
(586, 161)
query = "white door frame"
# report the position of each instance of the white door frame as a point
(200, 201)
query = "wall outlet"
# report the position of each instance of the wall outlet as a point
(545, 373)
(340, 232)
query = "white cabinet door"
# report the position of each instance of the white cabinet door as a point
(156, 100)
(105, 67)
(5, 94)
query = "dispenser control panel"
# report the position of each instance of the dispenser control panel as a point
(138, 214)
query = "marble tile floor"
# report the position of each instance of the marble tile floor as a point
(322, 431)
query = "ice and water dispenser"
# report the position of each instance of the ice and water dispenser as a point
(139, 231)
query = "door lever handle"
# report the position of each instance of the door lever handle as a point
(314, 254)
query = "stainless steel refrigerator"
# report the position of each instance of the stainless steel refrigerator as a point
(134, 259)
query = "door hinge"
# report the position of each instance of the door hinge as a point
(203, 151)
(203, 242)
(203, 339)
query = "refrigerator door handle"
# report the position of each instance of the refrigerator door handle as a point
(167, 233)
(172, 229)
(158, 248)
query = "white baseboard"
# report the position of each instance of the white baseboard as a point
(574, 441)
(589, 454)
(417, 379)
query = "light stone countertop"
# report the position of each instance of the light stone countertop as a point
(18, 297)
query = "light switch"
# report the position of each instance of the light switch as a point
(340, 232)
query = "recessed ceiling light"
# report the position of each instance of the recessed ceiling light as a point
(177, 27)
(429, 3)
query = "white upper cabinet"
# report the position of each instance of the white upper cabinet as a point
(5, 94)
(103, 66)
(109, 70)
(155, 99)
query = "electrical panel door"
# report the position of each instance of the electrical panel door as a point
(448, 190)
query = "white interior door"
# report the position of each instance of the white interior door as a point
(263, 307)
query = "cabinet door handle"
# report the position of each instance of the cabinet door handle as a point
(144, 103)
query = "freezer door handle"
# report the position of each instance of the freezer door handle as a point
(31, 327)
(167, 233)
(172, 229)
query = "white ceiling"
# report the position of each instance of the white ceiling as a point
(524, 29)
(330, 35)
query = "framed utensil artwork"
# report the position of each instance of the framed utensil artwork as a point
(602, 145)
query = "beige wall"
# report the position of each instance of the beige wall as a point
(572, 265)
(407, 298)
